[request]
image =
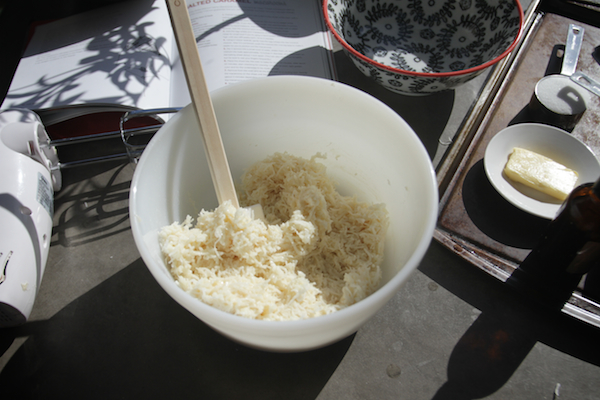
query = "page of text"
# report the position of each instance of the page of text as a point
(248, 39)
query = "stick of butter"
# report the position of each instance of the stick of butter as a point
(541, 173)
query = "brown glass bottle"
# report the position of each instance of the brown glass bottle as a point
(569, 248)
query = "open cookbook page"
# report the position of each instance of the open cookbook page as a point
(240, 40)
(125, 55)
(115, 55)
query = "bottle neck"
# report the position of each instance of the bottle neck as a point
(596, 188)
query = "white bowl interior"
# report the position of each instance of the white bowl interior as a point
(370, 151)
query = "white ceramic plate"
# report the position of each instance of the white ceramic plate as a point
(549, 141)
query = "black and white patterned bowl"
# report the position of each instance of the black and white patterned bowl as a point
(418, 47)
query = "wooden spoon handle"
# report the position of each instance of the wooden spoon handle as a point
(215, 152)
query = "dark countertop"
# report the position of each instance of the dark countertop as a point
(102, 328)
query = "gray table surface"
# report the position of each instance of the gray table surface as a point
(102, 328)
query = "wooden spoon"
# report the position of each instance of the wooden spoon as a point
(213, 144)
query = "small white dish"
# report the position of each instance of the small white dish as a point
(549, 141)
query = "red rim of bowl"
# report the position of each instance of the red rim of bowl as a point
(426, 74)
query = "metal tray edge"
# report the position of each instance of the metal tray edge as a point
(464, 144)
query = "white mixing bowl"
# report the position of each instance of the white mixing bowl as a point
(371, 152)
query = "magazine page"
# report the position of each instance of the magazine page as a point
(118, 55)
(124, 55)
(247, 39)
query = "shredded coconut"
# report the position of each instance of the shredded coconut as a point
(318, 253)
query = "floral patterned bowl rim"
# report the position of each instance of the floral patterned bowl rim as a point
(426, 74)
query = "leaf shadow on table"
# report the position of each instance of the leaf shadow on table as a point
(92, 204)
(126, 338)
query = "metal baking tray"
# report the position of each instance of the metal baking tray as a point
(475, 222)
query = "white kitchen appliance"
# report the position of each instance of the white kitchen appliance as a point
(30, 175)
